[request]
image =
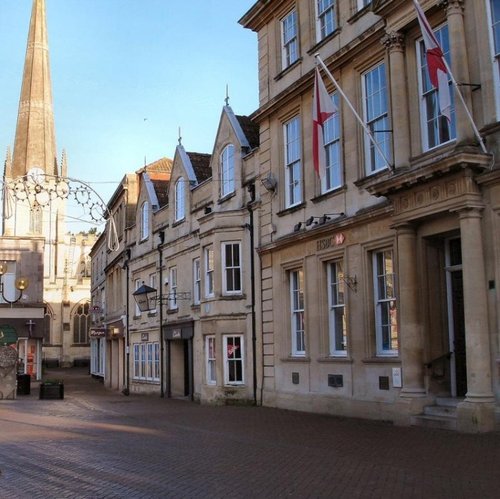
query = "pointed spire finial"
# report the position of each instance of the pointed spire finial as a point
(226, 100)
(180, 137)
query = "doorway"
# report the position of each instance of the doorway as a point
(456, 316)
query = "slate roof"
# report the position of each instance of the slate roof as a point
(161, 186)
(250, 129)
(201, 165)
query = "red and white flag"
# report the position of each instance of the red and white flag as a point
(323, 108)
(438, 72)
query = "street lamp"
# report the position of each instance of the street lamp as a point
(144, 296)
(21, 284)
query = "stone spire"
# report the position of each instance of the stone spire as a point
(35, 144)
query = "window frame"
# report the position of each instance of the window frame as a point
(385, 304)
(336, 304)
(152, 283)
(144, 220)
(234, 269)
(227, 171)
(180, 200)
(210, 360)
(234, 360)
(293, 161)
(209, 260)
(321, 27)
(335, 170)
(495, 53)
(361, 4)
(173, 304)
(289, 45)
(297, 312)
(196, 281)
(146, 362)
(373, 161)
(432, 93)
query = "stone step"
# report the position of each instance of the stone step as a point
(448, 401)
(439, 422)
(440, 410)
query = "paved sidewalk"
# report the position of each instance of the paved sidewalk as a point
(100, 444)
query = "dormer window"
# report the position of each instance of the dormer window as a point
(144, 220)
(227, 171)
(180, 198)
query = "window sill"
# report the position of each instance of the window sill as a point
(326, 195)
(333, 359)
(291, 358)
(227, 197)
(382, 360)
(360, 13)
(370, 178)
(324, 41)
(178, 222)
(235, 296)
(292, 209)
(145, 381)
(283, 72)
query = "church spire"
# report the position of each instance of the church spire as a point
(35, 144)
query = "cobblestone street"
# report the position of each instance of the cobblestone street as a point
(96, 443)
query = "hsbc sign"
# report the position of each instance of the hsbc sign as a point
(330, 242)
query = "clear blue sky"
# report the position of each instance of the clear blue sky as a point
(126, 74)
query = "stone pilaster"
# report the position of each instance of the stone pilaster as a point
(476, 413)
(460, 68)
(394, 43)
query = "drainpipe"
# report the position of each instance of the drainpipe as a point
(250, 226)
(126, 390)
(161, 235)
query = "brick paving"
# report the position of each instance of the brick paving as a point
(100, 444)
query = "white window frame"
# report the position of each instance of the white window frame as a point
(146, 361)
(297, 319)
(361, 4)
(144, 220)
(437, 122)
(210, 360)
(336, 309)
(495, 52)
(376, 117)
(196, 281)
(209, 272)
(180, 200)
(384, 292)
(333, 178)
(137, 285)
(172, 295)
(232, 360)
(293, 162)
(326, 18)
(152, 283)
(289, 39)
(227, 171)
(231, 270)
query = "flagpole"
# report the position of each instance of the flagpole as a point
(358, 117)
(467, 112)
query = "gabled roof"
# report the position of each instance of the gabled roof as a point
(250, 130)
(201, 165)
(162, 165)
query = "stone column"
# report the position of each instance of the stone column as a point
(411, 338)
(394, 42)
(460, 68)
(476, 413)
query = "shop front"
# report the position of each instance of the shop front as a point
(98, 351)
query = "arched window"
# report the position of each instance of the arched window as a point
(227, 171)
(180, 200)
(81, 324)
(144, 220)
(47, 322)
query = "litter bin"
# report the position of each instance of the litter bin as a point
(23, 384)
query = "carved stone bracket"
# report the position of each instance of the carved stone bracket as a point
(393, 40)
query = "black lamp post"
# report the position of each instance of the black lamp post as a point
(21, 284)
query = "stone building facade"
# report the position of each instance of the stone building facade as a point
(379, 281)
